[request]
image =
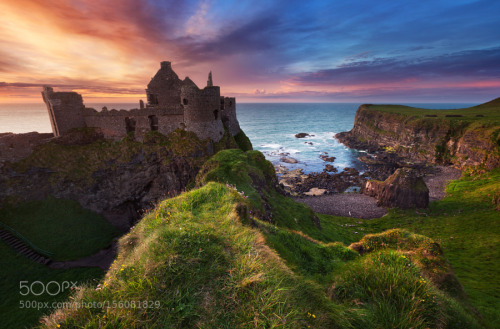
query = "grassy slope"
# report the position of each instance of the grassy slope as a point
(16, 268)
(205, 258)
(62, 226)
(467, 226)
(489, 111)
(59, 226)
(194, 257)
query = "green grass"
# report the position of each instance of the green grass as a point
(391, 292)
(17, 268)
(59, 226)
(490, 112)
(215, 257)
(467, 227)
(194, 258)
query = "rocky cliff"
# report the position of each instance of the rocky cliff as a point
(465, 137)
(117, 179)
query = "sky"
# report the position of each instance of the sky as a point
(258, 51)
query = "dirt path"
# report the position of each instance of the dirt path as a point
(345, 205)
(437, 182)
(361, 206)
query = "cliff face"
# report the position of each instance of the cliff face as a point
(117, 179)
(437, 136)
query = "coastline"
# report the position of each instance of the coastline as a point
(361, 206)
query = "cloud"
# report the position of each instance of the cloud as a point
(82, 87)
(464, 65)
(116, 45)
(464, 94)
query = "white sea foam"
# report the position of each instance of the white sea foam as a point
(271, 145)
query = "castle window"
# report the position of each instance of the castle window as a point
(216, 114)
(153, 122)
(230, 103)
(130, 124)
(152, 99)
(185, 101)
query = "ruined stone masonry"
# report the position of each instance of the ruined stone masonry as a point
(172, 104)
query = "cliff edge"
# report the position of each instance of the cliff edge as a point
(465, 138)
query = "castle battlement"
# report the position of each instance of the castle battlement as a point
(172, 103)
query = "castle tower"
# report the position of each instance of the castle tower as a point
(202, 111)
(65, 110)
(164, 89)
(209, 82)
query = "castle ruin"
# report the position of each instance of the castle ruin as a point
(172, 104)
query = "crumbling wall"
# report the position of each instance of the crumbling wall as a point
(116, 124)
(65, 110)
(228, 114)
(202, 113)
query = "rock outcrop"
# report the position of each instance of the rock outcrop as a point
(433, 138)
(403, 189)
(117, 179)
(14, 147)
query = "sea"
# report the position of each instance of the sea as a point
(271, 128)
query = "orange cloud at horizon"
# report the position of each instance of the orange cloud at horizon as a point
(109, 49)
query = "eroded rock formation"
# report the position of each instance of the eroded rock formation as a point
(403, 189)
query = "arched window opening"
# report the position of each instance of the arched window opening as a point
(153, 122)
(130, 124)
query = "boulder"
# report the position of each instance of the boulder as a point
(315, 191)
(288, 160)
(330, 168)
(302, 135)
(327, 158)
(403, 189)
(350, 171)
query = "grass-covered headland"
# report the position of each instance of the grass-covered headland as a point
(235, 253)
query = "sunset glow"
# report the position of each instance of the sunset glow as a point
(258, 51)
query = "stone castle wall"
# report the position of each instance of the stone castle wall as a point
(164, 88)
(202, 111)
(228, 115)
(172, 104)
(65, 110)
(117, 124)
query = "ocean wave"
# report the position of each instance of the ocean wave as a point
(291, 151)
(271, 145)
